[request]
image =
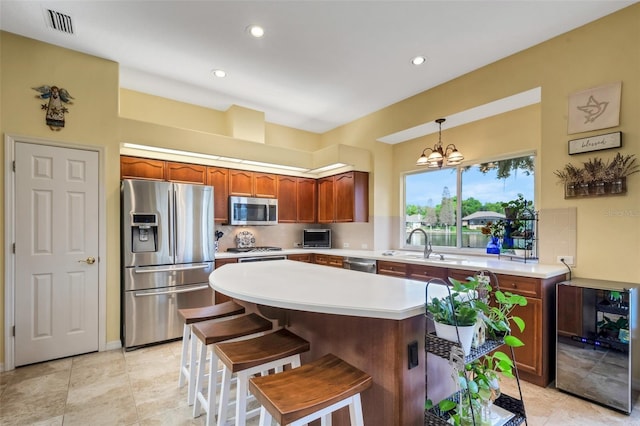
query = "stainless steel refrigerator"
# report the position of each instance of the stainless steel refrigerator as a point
(167, 252)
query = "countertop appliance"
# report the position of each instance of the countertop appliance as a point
(253, 211)
(168, 248)
(597, 345)
(360, 264)
(316, 238)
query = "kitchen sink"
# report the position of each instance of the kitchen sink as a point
(448, 258)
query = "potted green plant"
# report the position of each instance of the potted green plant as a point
(499, 317)
(514, 209)
(455, 316)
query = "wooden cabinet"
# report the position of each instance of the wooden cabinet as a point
(351, 192)
(252, 184)
(241, 183)
(425, 272)
(394, 269)
(296, 200)
(307, 200)
(141, 168)
(535, 360)
(344, 198)
(411, 271)
(186, 173)
(301, 257)
(218, 177)
(328, 260)
(219, 297)
(287, 199)
(325, 200)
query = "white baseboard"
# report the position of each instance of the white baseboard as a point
(115, 344)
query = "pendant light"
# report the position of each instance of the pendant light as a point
(438, 156)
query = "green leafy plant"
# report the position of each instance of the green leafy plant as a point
(464, 307)
(513, 209)
(499, 316)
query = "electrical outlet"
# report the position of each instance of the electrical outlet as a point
(345, 245)
(567, 259)
(365, 246)
(297, 244)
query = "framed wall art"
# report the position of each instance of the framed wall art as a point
(595, 108)
(595, 143)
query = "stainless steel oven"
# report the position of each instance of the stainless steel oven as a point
(261, 258)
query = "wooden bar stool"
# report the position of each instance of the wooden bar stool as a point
(313, 391)
(248, 357)
(211, 332)
(189, 351)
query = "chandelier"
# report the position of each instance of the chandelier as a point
(438, 155)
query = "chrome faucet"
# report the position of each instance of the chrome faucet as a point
(427, 244)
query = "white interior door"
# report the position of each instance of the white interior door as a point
(56, 234)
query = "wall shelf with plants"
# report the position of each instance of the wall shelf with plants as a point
(597, 177)
(515, 236)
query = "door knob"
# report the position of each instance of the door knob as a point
(90, 260)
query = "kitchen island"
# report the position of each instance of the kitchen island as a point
(366, 319)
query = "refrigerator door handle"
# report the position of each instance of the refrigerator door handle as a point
(171, 222)
(160, 293)
(148, 270)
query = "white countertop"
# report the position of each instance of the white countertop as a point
(457, 261)
(316, 288)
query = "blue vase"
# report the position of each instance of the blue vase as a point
(493, 246)
(507, 241)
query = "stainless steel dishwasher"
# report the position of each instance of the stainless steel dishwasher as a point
(360, 264)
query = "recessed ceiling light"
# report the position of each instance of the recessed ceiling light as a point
(256, 31)
(418, 60)
(219, 73)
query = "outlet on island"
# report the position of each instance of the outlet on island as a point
(345, 245)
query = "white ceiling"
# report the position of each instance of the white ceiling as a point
(321, 64)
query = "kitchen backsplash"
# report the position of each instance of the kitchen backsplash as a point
(358, 236)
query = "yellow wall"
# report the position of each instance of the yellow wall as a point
(602, 52)
(92, 120)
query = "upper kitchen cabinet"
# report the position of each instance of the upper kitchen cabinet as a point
(186, 173)
(287, 199)
(218, 177)
(296, 200)
(344, 198)
(307, 200)
(141, 168)
(325, 200)
(252, 184)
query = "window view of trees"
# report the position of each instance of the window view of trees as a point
(484, 188)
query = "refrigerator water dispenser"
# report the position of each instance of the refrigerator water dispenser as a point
(144, 233)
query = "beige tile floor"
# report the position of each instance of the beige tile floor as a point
(140, 388)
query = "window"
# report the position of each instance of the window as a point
(452, 204)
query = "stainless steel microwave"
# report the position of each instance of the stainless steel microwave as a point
(316, 238)
(253, 211)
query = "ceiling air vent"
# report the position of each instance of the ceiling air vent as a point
(59, 21)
